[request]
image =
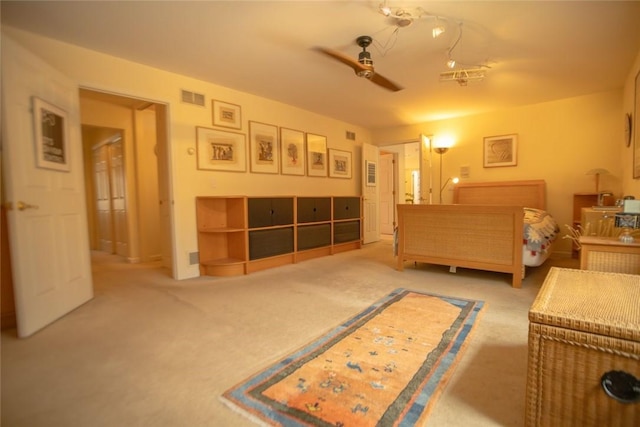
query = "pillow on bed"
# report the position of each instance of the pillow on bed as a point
(540, 230)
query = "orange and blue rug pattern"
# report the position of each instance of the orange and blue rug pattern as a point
(384, 367)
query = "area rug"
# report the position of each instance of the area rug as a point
(384, 367)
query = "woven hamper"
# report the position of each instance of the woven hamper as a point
(583, 325)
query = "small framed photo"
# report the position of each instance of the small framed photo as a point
(316, 155)
(500, 151)
(339, 163)
(221, 150)
(263, 147)
(292, 152)
(52, 136)
(372, 173)
(226, 114)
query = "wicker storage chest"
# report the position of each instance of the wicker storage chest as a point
(583, 325)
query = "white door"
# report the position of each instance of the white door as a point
(47, 220)
(104, 217)
(370, 193)
(387, 193)
(118, 198)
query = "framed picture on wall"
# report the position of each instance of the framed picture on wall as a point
(339, 163)
(263, 147)
(226, 114)
(52, 148)
(500, 151)
(292, 154)
(316, 155)
(221, 150)
(372, 173)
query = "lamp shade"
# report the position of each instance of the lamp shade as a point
(597, 171)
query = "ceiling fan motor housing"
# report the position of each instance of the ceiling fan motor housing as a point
(365, 58)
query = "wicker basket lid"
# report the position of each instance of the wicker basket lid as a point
(606, 304)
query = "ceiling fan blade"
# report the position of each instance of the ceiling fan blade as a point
(347, 60)
(385, 83)
(361, 70)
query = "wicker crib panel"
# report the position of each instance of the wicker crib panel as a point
(478, 237)
(565, 370)
(531, 193)
(628, 263)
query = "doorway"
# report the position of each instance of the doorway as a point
(401, 170)
(126, 176)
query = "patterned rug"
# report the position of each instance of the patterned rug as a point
(384, 367)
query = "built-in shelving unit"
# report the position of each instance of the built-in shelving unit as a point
(240, 235)
(222, 235)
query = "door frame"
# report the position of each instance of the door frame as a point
(165, 190)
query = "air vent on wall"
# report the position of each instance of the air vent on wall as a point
(193, 98)
(351, 135)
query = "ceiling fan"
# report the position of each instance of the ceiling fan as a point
(364, 65)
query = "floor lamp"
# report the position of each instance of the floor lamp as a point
(428, 139)
(441, 151)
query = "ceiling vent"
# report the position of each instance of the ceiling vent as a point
(193, 98)
(351, 135)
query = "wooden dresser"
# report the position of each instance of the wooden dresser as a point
(584, 337)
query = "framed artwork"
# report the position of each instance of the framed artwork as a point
(221, 150)
(316, 155)
(226, 115)
(636, 134)
(52, 136)
(372, 172)
(500, 150)
(339, 163)
(263, 147)
(292, 153)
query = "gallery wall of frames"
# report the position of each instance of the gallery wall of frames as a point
(270, 149)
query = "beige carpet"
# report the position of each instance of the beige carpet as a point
(151, 351)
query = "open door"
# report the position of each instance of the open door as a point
(44, 188)
(387, 194)
(370, 193)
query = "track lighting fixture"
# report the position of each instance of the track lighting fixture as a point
(462, 76)
(437, 31)
(451, 63)
(405, 16)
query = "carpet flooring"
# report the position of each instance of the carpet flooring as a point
(148, 350)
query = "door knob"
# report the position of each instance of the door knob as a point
(22, 206)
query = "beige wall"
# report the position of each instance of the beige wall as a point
(557, 141)
(630, 185)
(97, 71)
(146, 182)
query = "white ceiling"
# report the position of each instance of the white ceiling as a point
(538, 50)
